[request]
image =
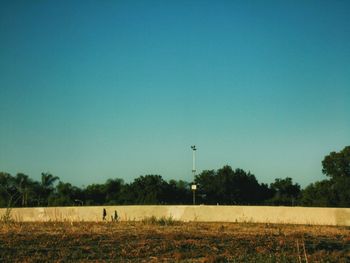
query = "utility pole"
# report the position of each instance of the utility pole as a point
(194, 186)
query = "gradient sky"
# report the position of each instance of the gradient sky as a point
(92, 90)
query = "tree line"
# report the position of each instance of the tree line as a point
(225, 186)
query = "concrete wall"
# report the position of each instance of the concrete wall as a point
(256, 214)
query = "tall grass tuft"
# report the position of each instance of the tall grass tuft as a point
(162, 221)
(6, 218)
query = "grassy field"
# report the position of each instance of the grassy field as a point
(171, 241)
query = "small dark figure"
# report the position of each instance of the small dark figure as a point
(115, 216)
(104, 214)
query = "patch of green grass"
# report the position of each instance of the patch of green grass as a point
(162, 221)
(6, 217)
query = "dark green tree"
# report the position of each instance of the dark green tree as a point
(95, 194)
(285, 192)
(208, 187)
(127, 195)
(113, 189)
(148, 189)
(337, 164)
(177, 192)
(26, 189)
(227, 186)
(8, 192)
(319, 194)
(46, 187)
(65, 194)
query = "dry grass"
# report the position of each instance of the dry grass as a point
(180, 242)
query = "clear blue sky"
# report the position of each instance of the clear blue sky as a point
(92, 90)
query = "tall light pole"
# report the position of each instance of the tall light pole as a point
(194, 186)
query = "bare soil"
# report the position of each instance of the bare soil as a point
(178, 242)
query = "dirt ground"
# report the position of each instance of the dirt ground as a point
(175, 242)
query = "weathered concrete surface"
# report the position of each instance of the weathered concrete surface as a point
(254, 214)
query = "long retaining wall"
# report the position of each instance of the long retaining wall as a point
(202, 213)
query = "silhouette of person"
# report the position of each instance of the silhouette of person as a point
(104, 214)
(115, 215)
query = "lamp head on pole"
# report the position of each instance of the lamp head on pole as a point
(193, 147)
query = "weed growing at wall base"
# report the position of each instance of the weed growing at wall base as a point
(162, 221)
(6, 218)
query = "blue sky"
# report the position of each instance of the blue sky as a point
(92, 90)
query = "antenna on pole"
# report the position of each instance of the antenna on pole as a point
(194, 186)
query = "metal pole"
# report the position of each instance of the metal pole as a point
(194, 162)
(194, 196)
(194, 186)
